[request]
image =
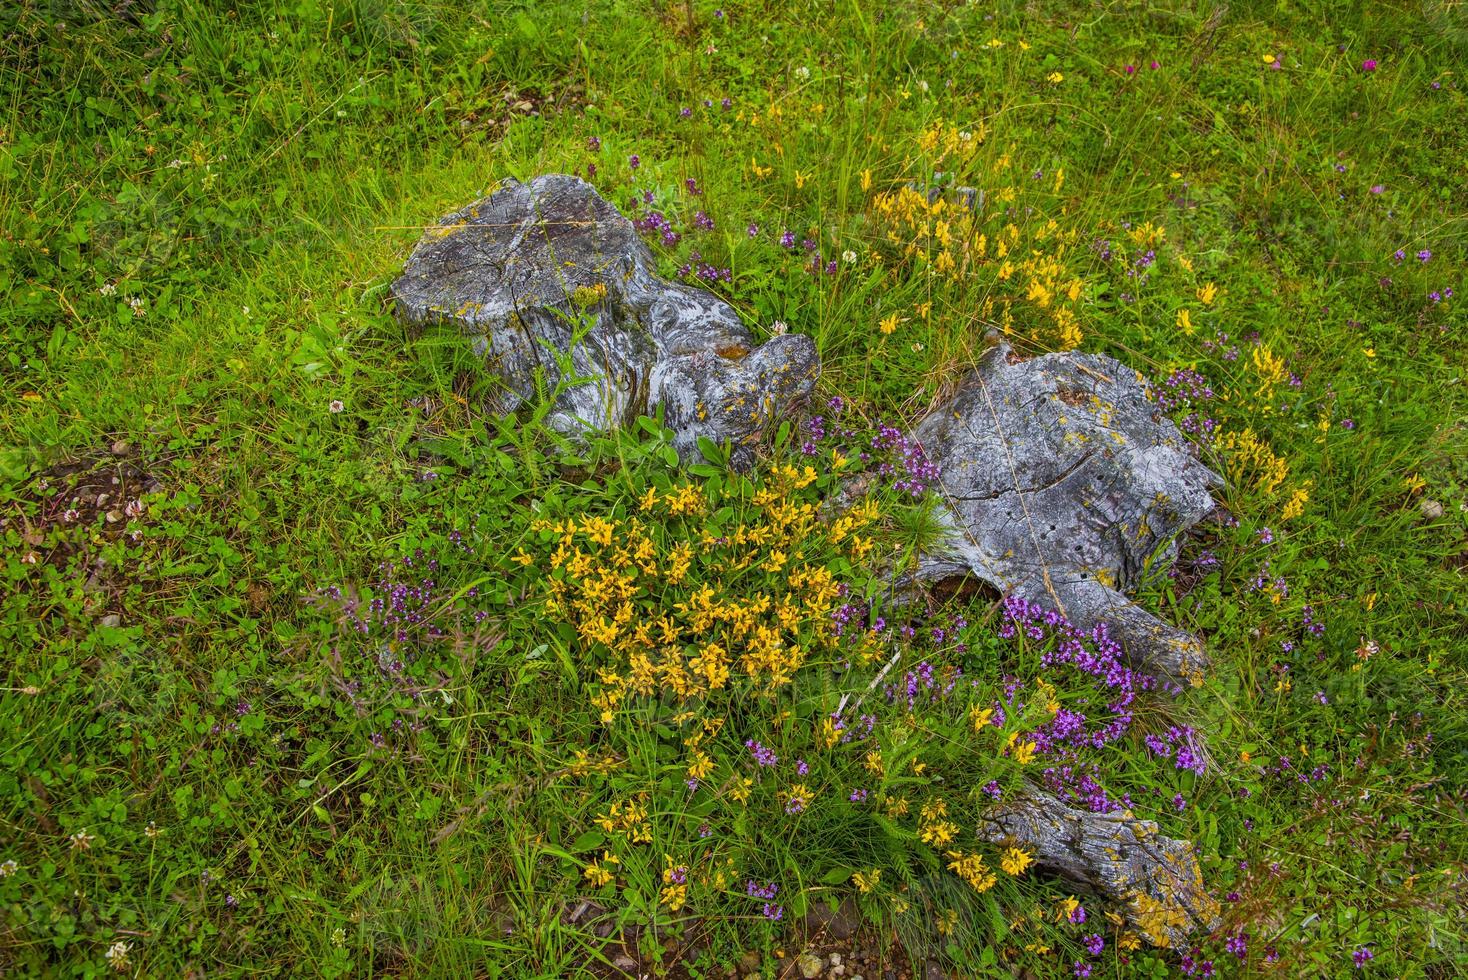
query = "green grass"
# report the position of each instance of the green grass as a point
(252, 178)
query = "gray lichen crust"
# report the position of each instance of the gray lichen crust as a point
(1113, 854)
(549, 269)
(1063, 483)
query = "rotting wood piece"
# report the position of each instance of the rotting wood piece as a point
(1117, 855)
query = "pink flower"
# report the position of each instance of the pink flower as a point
(1369, 64)
(1130, 69)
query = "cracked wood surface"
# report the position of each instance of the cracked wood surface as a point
(519, 269)
(1063, 484)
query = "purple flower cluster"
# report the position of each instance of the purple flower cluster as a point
(912, 472)
(1097, 655)
(768, 892)
(1220, 343)
(1183, 391)
(657, 223)
(1191, 965)
(1181, 741)
(923, 680)
(754, 889)
(762, 755)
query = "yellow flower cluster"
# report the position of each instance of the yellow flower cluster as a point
(934, 827)
(599, 872)
(627, 587)
(972, 869)
(629, 819)
(950, 240)
(1015, 860)
(1251, 462)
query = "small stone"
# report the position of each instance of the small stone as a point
(749, 961)
(835, 959)
(810, 965)
(114, 516)
(838, 970)
(932, 971)
(1431, 509)
(112, 621)
(624, 963)
(121, 447)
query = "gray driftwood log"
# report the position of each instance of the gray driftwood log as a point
(1063, 484)
(548, 274)
(1061, 480)
(1112, 854)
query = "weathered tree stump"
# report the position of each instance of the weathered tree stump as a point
(557, 289)
(1063, 483)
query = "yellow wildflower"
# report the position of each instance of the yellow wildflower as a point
(939, 833)
(674, 896)
(597, 871)
(972, 869)
(701, 766)
(865, 881)
(1015, 860)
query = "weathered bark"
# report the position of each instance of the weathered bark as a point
(1115, 855)
(1062, 484)
(549, 273)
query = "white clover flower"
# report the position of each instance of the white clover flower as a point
(336, 407)
(802, 73)
(778, 328)
(107, 289)
(117, 955)
(848, 256)
(81, 840)
(8, 868)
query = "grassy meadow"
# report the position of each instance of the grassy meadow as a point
(314, 668)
